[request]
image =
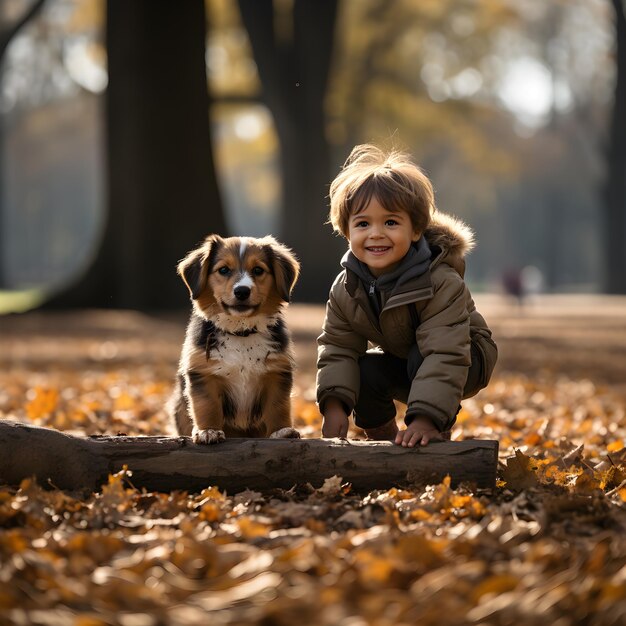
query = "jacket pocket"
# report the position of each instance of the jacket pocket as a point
(484, 356)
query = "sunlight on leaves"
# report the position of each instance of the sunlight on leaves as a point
(42, 402)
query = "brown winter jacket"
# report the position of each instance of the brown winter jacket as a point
(449, 325)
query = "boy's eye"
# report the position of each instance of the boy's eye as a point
(257, 271)
(391, 223)
(224, 270)
(361, 224)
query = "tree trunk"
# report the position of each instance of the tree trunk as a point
(294, 64)
(615, 201)
(163, 192)
(163, 464)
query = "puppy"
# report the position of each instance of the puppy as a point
(236, 366)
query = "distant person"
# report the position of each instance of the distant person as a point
(402, 290)
(522, 284)
(513, 284)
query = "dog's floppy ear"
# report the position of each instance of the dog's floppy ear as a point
(194, 268)
(285, 267)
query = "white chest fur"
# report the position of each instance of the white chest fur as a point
(241, 356)
(242, 361)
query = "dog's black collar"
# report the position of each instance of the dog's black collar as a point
(211, 332)
(243, 333)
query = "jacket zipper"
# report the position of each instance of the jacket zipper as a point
(368, 309)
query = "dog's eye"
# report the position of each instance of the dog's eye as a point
(224, 270)
(257, 271)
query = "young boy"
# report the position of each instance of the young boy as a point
(402, 291)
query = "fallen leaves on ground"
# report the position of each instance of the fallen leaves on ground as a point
(548, 545)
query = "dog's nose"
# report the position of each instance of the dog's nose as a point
(241, 293)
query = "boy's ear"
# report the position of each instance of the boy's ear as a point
(416, 235)
(194, 268)
(285, 267)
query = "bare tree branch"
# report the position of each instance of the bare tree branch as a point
(7, 34)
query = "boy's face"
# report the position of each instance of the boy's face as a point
(380, 238)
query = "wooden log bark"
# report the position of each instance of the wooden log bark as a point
(166, 463)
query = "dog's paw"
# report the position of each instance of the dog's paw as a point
(208, 436)
(285, 433)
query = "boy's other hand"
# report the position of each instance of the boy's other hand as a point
(335, 422)
(419, 432)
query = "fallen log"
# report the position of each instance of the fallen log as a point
(168, 463)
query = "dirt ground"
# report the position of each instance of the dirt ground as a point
(578, 336)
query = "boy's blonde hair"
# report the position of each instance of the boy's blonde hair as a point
(392, 177)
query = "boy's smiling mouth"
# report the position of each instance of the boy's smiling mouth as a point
(378, 249)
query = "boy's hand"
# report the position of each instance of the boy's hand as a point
(419, 432)
(335, 422)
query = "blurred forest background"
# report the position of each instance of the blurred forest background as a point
(130, 130)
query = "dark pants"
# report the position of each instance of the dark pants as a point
(385, 378)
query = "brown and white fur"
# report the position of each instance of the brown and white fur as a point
(236, 368)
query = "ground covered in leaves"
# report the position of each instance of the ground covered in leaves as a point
(548, 545)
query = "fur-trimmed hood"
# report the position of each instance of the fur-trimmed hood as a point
(449, 232)
(453, 237)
